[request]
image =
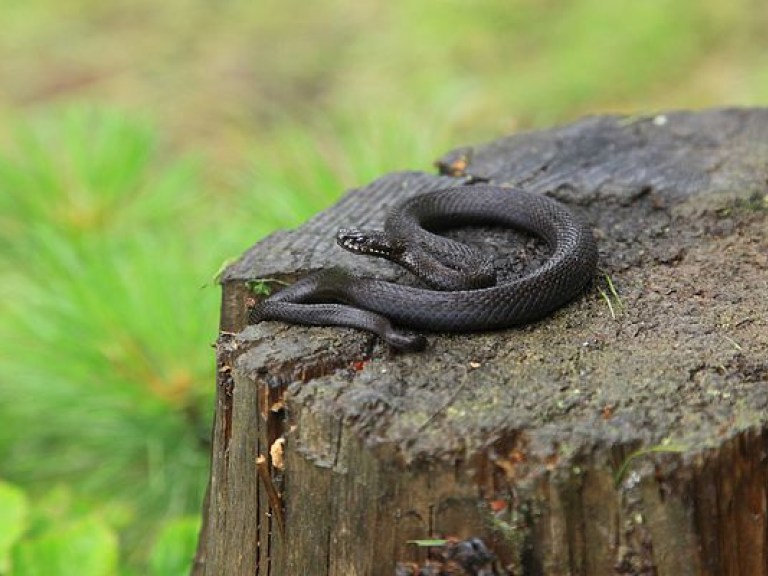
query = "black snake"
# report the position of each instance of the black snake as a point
(462, 295)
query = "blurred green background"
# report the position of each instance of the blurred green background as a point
(144, 144)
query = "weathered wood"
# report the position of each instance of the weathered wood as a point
(626, 434)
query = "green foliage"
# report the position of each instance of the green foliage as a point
(83, 174)
(14, 512)
(174, 549)
(55, 536)
(106, 330)
(87, 547)
(299, 168)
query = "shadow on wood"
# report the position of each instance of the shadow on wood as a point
(625, 434)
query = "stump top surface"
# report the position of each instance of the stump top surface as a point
(679, 204)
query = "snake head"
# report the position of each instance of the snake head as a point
(369, 243)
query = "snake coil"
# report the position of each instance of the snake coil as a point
(462, 295)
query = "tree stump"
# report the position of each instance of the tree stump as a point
(624, 434)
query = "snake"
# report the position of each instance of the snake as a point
(460, 292)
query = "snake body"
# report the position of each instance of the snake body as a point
(462, 295)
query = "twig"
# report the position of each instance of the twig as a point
(275, 502)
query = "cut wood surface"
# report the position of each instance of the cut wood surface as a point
(624, 434)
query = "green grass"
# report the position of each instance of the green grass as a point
(214, 126)
(611, 297)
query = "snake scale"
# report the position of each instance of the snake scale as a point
(461, 294)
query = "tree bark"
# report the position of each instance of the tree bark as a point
(625, 434)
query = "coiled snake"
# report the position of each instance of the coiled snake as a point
(463, 295)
